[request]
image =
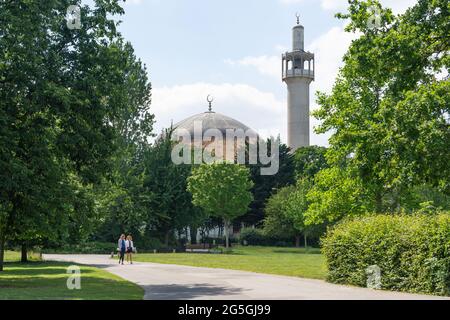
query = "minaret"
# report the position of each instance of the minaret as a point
(298, 73)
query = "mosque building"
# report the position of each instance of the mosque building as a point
(298, 73)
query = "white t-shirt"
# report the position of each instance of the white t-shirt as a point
(128, 244)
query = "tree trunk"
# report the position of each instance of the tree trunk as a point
(297, 241)
(226, 226)
(2, 250)
(306, 240)
(193, 231)
(24, 253)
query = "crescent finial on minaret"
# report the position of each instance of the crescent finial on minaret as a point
(298, 17)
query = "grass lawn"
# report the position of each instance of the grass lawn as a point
(47, 280)
(273, 260)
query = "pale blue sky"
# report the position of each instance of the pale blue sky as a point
(232, 50)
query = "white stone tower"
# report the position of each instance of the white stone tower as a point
(298, 73)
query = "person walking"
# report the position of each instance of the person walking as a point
(122, 248)
(130, 248)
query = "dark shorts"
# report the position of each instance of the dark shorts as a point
(129, 250)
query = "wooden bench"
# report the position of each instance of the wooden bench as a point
(203, 248)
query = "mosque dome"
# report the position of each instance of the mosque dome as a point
(210, 120)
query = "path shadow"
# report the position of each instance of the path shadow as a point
(187, 291)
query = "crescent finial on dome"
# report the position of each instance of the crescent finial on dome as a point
(210, 99)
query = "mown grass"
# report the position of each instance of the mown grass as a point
(296, 262)
(38, 280)
(14, 256)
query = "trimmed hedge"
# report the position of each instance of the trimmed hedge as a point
(412, 251)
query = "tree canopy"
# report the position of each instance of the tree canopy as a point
(63, 93)
(388, 111)
(222, 190)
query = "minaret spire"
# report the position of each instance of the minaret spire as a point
(298, 17)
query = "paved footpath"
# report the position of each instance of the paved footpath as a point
(165, 281)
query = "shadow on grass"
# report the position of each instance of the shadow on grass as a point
(37, 269)
(187, 292)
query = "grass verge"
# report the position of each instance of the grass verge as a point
(296, 262)
(48, 281)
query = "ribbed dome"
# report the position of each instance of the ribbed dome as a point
(210, 120)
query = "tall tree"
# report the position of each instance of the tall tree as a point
(388, 109)
(61, 91)
(222, 190)
(169, 206)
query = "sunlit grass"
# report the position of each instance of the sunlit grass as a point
(11, 256)
(48, 281)
(296, 262)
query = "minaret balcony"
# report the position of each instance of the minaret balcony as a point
(294, 73)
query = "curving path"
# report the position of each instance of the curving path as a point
(164, 281)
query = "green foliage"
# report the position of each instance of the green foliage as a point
(286, 213)
(297, 204)
(259, 237)
(88, 247)
(66, 99)
(169, 205)
(336, 193)
(417, 197)
(388, 112)
(277, 222)
(411, 250)
(309, 161)
(264, 185)
(222, 190)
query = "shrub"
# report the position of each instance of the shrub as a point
(99, 247)
(257, 237)
(89, 247)
(412, 251)
(251, 236)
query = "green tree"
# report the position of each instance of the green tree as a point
(264, 185)
(308, 161)
(222, 190)
(388, 110)
(336, 193)
(286, 213)
(296, 207)
(61, 92)
(276, 222)
(169, 206)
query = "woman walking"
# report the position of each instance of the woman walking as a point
(130, 247)
(121, 245)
